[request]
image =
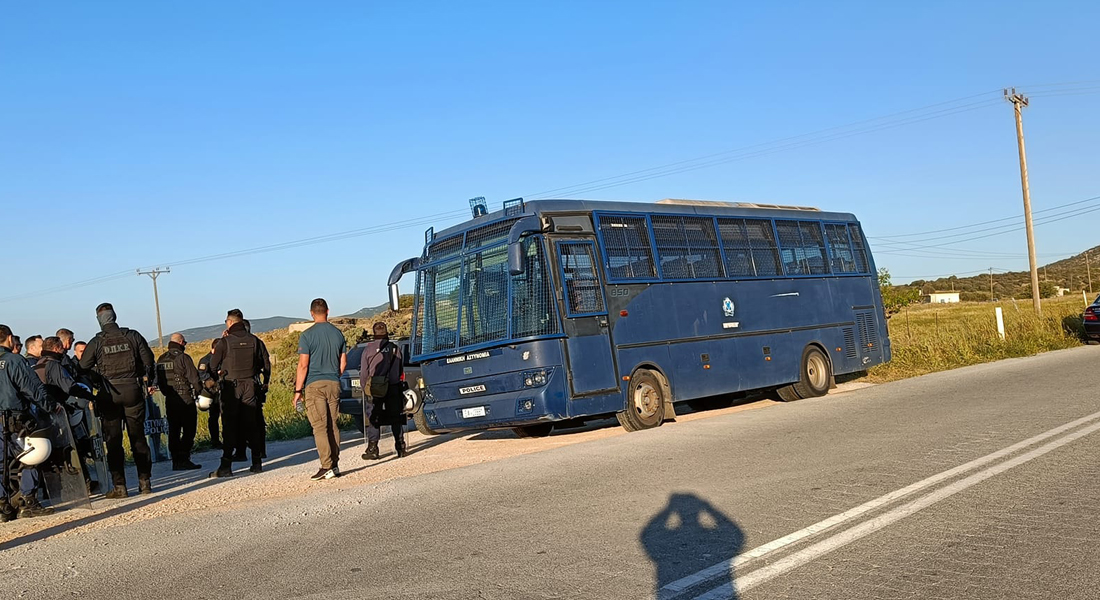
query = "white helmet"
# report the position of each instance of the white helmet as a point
(412, 401)
(36, 448)
(204, 402)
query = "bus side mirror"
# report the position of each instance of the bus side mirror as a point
(516, 263)
(395, 298)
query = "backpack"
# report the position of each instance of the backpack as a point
(380, 384)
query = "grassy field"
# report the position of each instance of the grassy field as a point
(936, 337)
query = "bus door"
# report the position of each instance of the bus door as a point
(590, 361)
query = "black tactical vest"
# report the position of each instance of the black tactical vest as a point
(167, 373)
(117, 356)
(240, 357)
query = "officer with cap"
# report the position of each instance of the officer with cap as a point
(178, 380)
(127, 370)
(239, 362)
(20, 393)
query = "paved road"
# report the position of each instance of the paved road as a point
(976, 483)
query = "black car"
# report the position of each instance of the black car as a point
(1091, 320)
(351, 393)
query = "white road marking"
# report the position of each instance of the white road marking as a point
(870, 526)
(679, 586)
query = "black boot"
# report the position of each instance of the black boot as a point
(33, 509)
(119, 491)
(224, 470)
(402, 451)
(256, 468)
(372, 451)
(145, 486)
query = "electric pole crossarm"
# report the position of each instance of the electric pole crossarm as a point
(153, 274)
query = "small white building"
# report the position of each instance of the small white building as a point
(942, 297)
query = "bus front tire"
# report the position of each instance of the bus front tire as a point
(645, 402)
(421, 423)
(534, 431)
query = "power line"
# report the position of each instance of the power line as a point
(781, 148)
(759, 145)
(1020, 216)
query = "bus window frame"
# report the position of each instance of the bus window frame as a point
(596, 267)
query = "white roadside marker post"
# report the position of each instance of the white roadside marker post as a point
(1000, 323)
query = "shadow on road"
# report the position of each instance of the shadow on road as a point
(686, 537)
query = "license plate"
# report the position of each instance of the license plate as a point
(355, 383)
(471, 390)
(477, 411)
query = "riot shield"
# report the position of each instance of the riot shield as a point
(95, 450)
(61, 474)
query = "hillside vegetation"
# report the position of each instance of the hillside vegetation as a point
(1072, 273)
(936, 337)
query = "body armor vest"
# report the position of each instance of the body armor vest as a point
(168, 375)
(117, 356)
(240, 357)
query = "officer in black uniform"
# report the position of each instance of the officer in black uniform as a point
(127, 371)
(178, 380)
(20, 394)
(239, 363)
(209, 379)
(242, 440)
(66, 390)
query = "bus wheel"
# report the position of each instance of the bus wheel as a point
(645, 402)
(534, 431)
(787, 393)
(816, 374)
(421, 423)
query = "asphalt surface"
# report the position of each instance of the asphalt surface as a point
(975, 483)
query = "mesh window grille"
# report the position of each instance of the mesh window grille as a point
(445, 248)
(533, 312)
(859, 247)
(489, 234)
(840, 250)
(626, 242)
(687, 247)
(750, 248)
(582, 284)
(440, 293)
(484, 315)
(802, 247)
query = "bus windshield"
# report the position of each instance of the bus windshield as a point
(471, 300)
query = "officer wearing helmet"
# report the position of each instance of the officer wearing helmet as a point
(21, 393)
(127, 371)
(239, 362)
(178, 380)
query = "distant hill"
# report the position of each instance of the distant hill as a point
(214, 331)
(1069, 273)
(366, 313)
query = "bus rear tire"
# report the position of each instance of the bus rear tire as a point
(645, 402)
(816, 374)
(534, 431)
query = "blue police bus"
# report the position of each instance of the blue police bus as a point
(555, 311)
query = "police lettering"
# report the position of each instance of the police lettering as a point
(116, 348)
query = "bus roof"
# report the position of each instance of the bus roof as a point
(677, 207)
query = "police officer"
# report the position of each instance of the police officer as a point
(262, 392)
(178, 380)
(209, 379)
(125, 364)
(20, 394)
(63, 388)
(239, 363)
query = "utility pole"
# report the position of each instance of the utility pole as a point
(1088, 270)
(990, 284)
(1018, 102)
(153, 274)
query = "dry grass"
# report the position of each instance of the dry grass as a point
(937, 337)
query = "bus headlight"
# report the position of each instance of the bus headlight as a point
(536, 378)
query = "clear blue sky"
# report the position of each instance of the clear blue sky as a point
(134, 133)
